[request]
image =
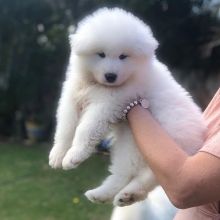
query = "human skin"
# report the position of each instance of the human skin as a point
(187, 180)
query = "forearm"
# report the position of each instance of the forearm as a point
(174, 169)
(162, 154)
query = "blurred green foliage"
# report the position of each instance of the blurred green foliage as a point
(34, 48)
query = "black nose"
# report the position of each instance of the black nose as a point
(110, 77)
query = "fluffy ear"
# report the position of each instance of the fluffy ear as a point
(148, 45)
(80, 45)
(146, 42)
(74, 43)
(153, 45)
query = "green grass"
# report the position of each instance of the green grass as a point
(31, 190)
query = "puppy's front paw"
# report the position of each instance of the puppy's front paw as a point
(56, 157)
(73, 158)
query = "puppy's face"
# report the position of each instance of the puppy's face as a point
(112, 46)
(111, 67)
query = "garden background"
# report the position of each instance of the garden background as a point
(34, 52)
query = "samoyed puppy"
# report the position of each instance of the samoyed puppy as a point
(113, 63)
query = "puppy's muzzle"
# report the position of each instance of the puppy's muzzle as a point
(110, 77)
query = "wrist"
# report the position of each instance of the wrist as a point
(135, 104)
(137, 112)
(142, 103)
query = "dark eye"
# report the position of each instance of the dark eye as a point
(122, 57)
(102, 55)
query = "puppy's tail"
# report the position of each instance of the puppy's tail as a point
(155, 207)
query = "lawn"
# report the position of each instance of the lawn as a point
(31, 190)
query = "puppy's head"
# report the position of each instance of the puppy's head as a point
(113, 45)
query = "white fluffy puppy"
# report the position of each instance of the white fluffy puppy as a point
(112, 62)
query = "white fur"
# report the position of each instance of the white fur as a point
(90, 106)
(156, 207)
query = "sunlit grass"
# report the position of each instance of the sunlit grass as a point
(31, 190)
